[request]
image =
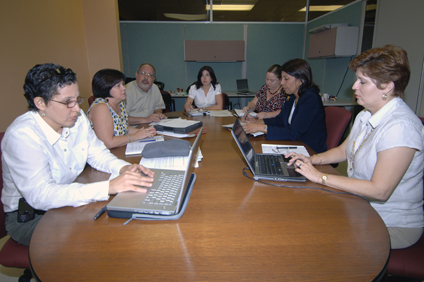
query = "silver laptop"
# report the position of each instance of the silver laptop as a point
(165, 197)
(242, 87)
(264, 166)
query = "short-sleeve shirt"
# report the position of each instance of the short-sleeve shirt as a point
(274, 104)
(120, 122)
(143, 104)
(394, 125)
(199, 97)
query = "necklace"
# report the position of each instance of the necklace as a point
(269, 90)
(353, 152)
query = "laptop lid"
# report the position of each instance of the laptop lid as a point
(133, 201)
(246, 148)
(242, 85)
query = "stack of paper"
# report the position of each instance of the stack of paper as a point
(198, 112)
(241, 114)
(137, 147)
(221, 113)
(283, 149)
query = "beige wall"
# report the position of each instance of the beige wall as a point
(81, 35)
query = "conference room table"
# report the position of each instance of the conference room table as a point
(234, 229)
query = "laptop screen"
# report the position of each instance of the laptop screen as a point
(244, 143)
(242, 85)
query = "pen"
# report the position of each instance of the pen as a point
(286, 148)
(247, 113)
(99, 214)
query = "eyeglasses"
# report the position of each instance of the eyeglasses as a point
(71, 104)
(149, 75)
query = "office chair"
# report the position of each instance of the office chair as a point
(129, 79)
(336, 120)
(408, 262)
(12, 254)
(228, 105)
(160, 85)
(169, 102)
(91, 99)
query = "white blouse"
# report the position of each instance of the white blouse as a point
(199, 97)
(394, 125)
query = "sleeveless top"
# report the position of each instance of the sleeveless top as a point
(120, 123)
(274, 104)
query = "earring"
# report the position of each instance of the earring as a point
(384, 96)
(43, 114)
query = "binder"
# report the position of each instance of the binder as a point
(181, 128)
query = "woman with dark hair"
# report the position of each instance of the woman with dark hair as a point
(45, 149)
(108, 115)
(303, 116)
(270, 99)
(384, 149)
(205, 92)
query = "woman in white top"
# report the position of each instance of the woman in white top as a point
(384, 149)
(205, 92)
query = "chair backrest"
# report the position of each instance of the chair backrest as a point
(2, 214)
(336, 119)
(129, 79)
(91, 99)
(227, 104)
(169, 102)
(160, 85)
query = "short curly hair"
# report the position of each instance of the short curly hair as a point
(44, 81)
(384, 65)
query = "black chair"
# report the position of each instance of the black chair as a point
(169, 102)
(228, 105)
(129, 79)
(160, 85)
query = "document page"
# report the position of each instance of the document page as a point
(283, 149)
(176, 163)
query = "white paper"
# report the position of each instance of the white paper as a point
(177, 135)
(175, 163)
(137, 147)
(241, 114)
(283, 149)
(222, 113)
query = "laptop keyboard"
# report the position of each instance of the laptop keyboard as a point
(269, 164)
(167, 190)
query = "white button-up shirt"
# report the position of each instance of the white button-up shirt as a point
(41, 165)
(394, 125)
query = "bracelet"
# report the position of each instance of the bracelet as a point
(319, 159)
(128, 137)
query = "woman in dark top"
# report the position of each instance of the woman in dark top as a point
(303, 116)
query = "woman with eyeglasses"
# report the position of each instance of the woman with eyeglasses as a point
(108, 115)
(206, 92)
(45, 149)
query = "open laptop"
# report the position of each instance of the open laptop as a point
(264, 166)
(156, 201)
(243, 88)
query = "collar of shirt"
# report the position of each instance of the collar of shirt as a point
(51, 135)
(382, 114)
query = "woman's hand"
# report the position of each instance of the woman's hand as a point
(249, 127)
(246, 109)
(144, 132)
(188, 108)
(303, 165)
(262, 115)
(131, 177)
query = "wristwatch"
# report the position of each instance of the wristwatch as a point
(324, 178)
(266, 129)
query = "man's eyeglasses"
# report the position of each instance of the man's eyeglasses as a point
(71, 104)
(149, 75)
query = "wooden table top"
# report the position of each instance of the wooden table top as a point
(234, 229)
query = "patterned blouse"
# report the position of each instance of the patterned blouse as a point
(274, 104)
(120, 123)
